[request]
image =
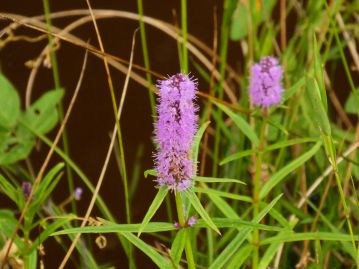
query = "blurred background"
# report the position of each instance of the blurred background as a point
(92, 119)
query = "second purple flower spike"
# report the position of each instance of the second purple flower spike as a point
(174, 132)
(265, 86)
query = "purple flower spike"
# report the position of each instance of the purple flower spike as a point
(265, 86)
(174, 132)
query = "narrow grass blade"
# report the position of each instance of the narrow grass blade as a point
(223, 206)
(150, 172)
(197, 141)
(281, 174)
(241, 123)
(218, 180)
(178, 246)
(48, 231)
(318, 71)
(162, 192)
(223, 194)
(293, 237)
(157, 258)
(110, 227)
(275, 146)
(192, 197)
(238, 240)
(237, 156)
(317, 108)
(240, 257)
(292, 90)
(237, 223)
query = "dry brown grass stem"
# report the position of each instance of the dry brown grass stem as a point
(351, 43)
(101, 14)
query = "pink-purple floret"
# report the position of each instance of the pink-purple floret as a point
(175, 129)
(265, 86)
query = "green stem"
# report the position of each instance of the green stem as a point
(56, 75)
(184, 36)
(228, 10)
(182, 223)
(256, 189)
(146, 58)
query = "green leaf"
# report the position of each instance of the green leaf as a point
(281, 174)
(178, 245)
(218, 180)
(292, 90)
(8, 189)
(45, 188)
(16, 149)
(192, 197)
(318, 71)
(272, 249)
(223, 206)
(9, 104)
(157, 258)
(49, 229)
(237, 223)
(269, 148)
(42, 115)
(240, 122)
(197, 141)
(238, 240)
(240, 257)
(317, 108)
(351, 104)
(293, 237)
(223, 194)
(110, 227)
(150, 172)
(237, 156)
(160, 196)
(239, 27)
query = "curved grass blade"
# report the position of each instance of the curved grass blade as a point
(223, 194)
(237, 155)
(218, 180)
(109, 227)
(160, 196)
(275, 146)
(293, 237)
(223, 206)
(48, 231)
(292, 90)
(157, 258)
(192, 197)
(237, 223)
(151, 172)
(238, 240)
(240, 122)
(197, 141)
(317, 108)
(178, 246)
(281, 174)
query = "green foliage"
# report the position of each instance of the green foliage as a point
(276, 181)
(9, 103)
(16, 142)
